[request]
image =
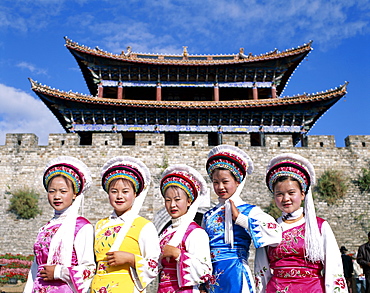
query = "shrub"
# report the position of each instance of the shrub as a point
(331, 186)
(24, 203)
(363, 181)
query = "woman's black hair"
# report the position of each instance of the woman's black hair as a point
(66, 179)
(284, 178)
(114, 181)
(226, 170)
(177, 189)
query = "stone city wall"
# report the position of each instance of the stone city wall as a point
(22, 162)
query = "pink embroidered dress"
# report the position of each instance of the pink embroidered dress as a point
(192, 268)
(78, 276)
(292, 273)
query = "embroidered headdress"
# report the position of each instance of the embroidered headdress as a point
(299, 168)
(126, 167)
(71, 168)
(230, 158)
(135, 171)
(184, 177)
(290, 165)
(78, 173)
(194, 185)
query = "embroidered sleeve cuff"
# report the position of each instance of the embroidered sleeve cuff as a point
(242, 220)
(58, 272)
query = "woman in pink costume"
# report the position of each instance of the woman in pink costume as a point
(64, 256)
(308, 258)
(185, 258)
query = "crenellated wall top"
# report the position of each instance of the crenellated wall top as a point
(30, 141)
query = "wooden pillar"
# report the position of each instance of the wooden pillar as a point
(100, 90)
(158, 96)
(119, 91)
(216, 93)
(255, 92)
(273, 91)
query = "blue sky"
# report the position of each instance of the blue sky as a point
(32, 45)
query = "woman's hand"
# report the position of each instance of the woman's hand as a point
(47, 274)
(119, 258)
(170, 251)
(234, 210)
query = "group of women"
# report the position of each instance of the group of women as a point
(295, 253)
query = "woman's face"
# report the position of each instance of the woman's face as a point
(176, 202)
(60, 193)
(224, 183)
(288, 195)
(121, 196)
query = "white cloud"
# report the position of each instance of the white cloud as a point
(154, 26)
(22, 113)
(25, 16)
(150, 26)
(32, 68)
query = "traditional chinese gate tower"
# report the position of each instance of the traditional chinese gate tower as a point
(133, 92)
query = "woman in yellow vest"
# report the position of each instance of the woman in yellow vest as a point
(126, 245)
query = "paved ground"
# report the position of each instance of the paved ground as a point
(7, 288)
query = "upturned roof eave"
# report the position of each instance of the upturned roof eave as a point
(87, 99)
(304, 49)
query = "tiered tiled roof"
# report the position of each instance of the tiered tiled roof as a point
(238, 93)
(274, 67)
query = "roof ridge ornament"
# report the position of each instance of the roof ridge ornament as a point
(241, 54)
(128, 53)
(185, 53)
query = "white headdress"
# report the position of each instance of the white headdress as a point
(79, 174)
(298, 167)
(135, 171)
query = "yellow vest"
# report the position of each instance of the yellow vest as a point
(112, 279)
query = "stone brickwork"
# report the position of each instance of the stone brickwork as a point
(22, 162)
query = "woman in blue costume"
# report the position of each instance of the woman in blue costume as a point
(232, 225)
